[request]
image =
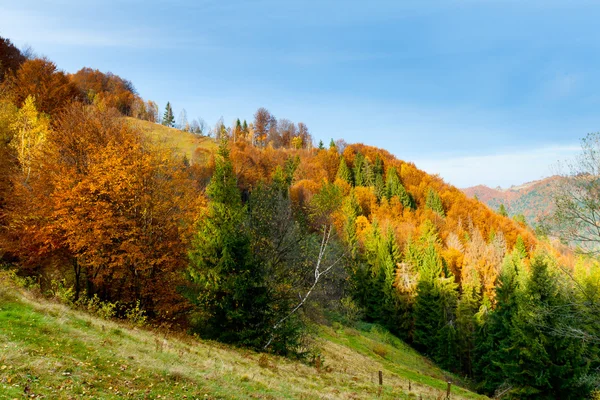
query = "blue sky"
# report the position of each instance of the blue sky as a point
(478, 91)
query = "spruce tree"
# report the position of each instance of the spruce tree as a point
(351, 209)
(368, 173)
(434, 202)
(394, 187)
(428, 308)
(344, 173)
(502, 210)
(494, 335)
(358, 170)
(380, 191)
(545, 363)
(168, 117)
(321, 145)
(229, 291)
(467, 308)
(520, 248)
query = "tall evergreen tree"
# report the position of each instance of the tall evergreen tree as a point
(229, 290)
(520, 249)
(351, 209)
(168, 117)
(467, 308)
(434, 202)
(394, 187)
(358, 170)
(545, 364)
(428, 308)
(502, 210)
(344, 173)
(493, 336)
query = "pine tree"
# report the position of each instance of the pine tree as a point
(351, 209)
(344, 173)
(368, 173)
(229, 289)
(358, 170)
(380, 191)
(168, 117)
(494, 335)
(434, 202)
(428, 308)
(502, 210)
(321, 145)
(332, 144)
(467, 308)
(520, 248)
(394, 187)
(545, 363)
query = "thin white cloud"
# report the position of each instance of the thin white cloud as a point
(25, 26)
(504, 170)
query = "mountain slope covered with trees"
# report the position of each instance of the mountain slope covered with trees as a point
(259, 235)
(532, 200)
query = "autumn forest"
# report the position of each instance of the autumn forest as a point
(260, 234)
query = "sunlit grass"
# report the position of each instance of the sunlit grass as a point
(187, 143)
(49, 350)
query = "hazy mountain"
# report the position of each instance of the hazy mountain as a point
(532, 199)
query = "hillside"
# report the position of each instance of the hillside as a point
(192, 146)
(52, 351)
(532, 199)
(266, 243)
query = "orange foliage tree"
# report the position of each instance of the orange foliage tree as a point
(39, 78)
(107, 208)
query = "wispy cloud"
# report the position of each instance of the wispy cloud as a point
(504, 170)
(25, 26)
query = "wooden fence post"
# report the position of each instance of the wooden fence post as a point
(448, 390)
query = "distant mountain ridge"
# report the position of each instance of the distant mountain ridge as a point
(532, 199)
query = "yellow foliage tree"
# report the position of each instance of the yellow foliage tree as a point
(30, 131)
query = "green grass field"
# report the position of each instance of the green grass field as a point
(48, 350)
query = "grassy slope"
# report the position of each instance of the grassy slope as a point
(186, 142)
(56, 352)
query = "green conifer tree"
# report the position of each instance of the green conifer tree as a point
(229, 286)
(545, 363)
(502, 210)
(380, 191)
(394, 187)
(466, 321)
(520, 248)
(494, 334)
(358, 170)
(168, 117)
(344, 173)
(434, 202)
(428, 307)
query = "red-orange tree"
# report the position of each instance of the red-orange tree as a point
(51, 88)
(114, 209)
